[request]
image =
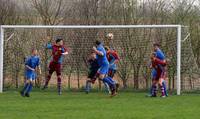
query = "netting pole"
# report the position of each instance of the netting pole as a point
(1, 59)
(179, 60)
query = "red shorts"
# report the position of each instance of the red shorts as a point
(53, 66)
(160, 74)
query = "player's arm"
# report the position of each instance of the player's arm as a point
(39, 69)
(27, 62)
(97, 51)
(64, 51)
(158, 61)
(30, 68)
(116, 57)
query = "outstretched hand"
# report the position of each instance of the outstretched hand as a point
(94, 48)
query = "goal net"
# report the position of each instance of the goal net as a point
(134, 44)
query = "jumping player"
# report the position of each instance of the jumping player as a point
(93, 68)
(58, 51)
(104, 66)
(31, 63)
(113, 59)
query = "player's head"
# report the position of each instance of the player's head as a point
(97, 42)
(59, 41)
(34, 51)
(156, 46)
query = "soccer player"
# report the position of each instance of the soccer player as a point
(161, 56)
(58, 51)
(31, 63)
(159, 71)
(93, 68)
(104, 66)
(113, 59)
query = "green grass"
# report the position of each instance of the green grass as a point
(78, 105)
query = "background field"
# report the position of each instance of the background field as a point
(78, 105)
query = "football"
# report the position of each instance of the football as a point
(110, 36)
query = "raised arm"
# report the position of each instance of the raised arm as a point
(98, 52)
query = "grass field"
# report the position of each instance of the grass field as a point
(78, 105)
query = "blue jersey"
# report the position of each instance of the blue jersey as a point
(160, 55)
(33, 62)
(102, 60)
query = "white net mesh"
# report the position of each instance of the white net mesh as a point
(134, 46)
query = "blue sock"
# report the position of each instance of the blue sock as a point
(87, 87)
(30, 88)
(107, 87)
(165, 88)
(109, 81)
(25, 87)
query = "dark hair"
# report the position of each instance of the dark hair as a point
(58, 39)
(98, 42)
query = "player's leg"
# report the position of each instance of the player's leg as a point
(103, 70)
(27, 83)
(92, 75)
(88, 86)
(22, 92)
(51, 70)
(58, 73)
(29, 89)
(164, 84)
(153, 89)
(161, 84)
(161, 87)
(111, 73)
(165, 87)
(110, 82)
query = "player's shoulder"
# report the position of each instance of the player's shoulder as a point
(37, 57)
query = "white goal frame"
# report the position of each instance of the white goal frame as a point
(177, 27)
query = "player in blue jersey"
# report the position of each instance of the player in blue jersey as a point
(104, 67)
(32, 63)
(161, 56)
(158, 71)
(113, 59)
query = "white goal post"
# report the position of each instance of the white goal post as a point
(177, 27)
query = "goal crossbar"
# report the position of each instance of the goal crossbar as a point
(177, 27)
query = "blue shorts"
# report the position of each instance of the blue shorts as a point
(30, 75)
(103, 69)
(153, 74)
